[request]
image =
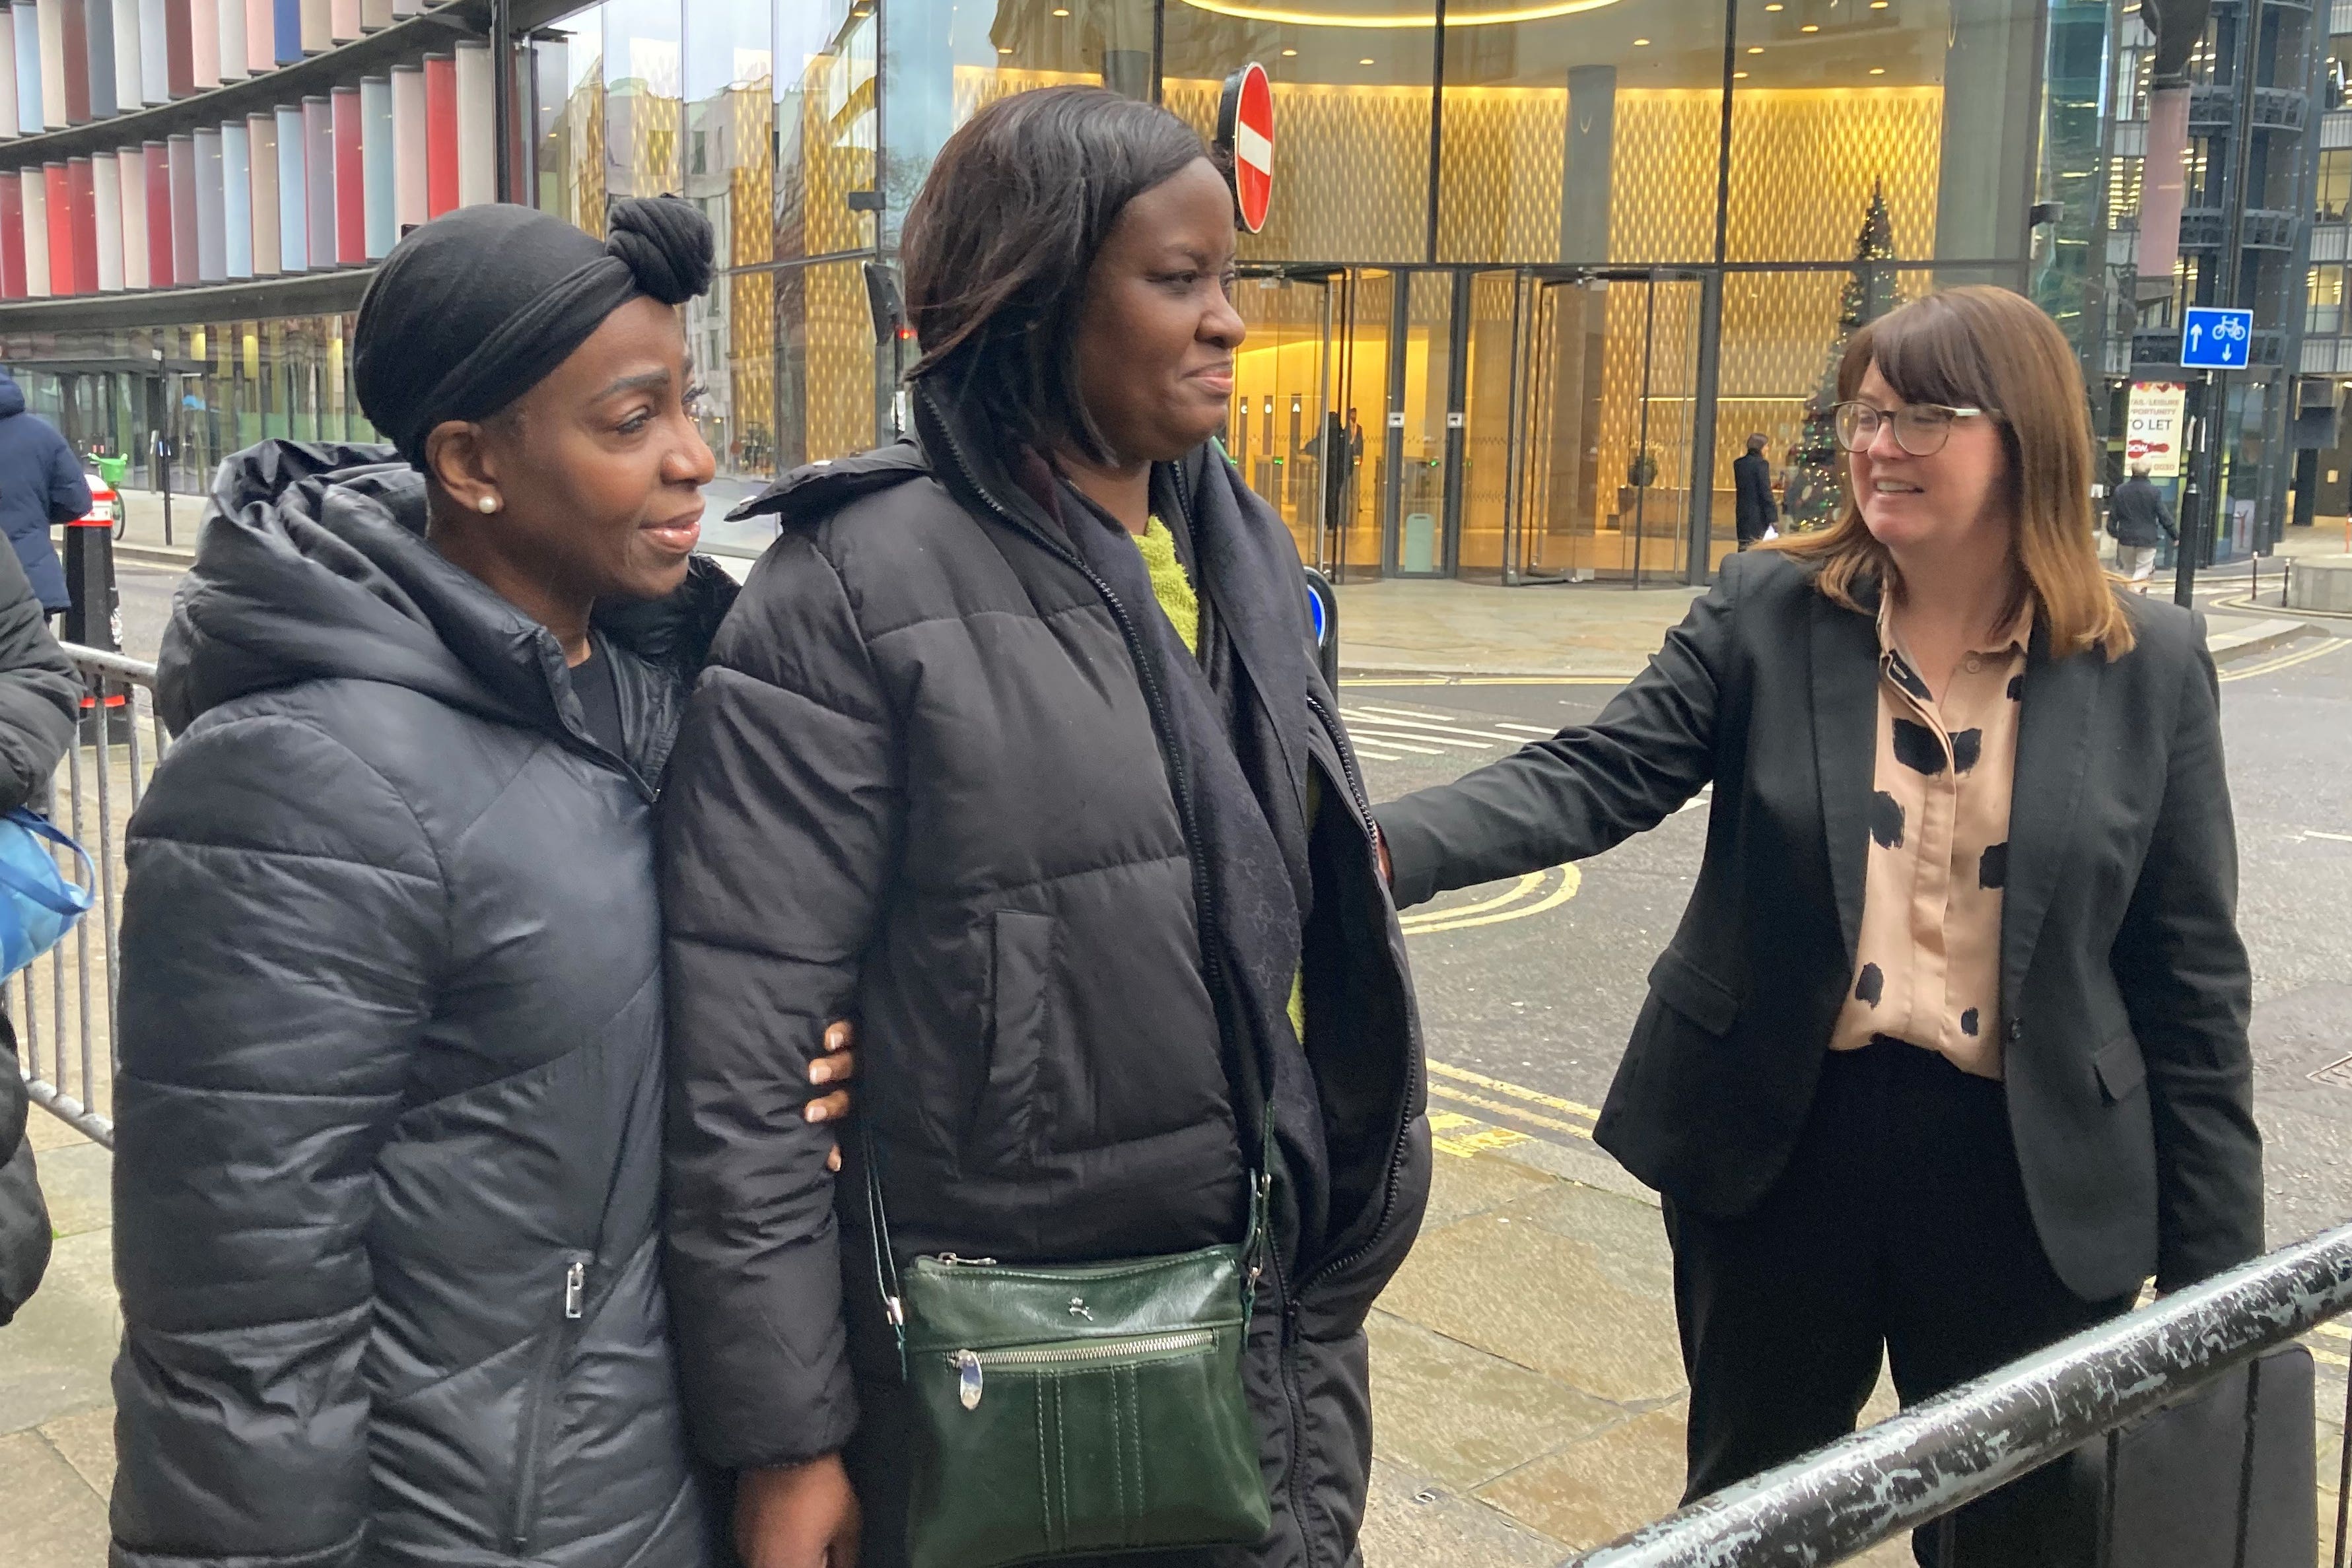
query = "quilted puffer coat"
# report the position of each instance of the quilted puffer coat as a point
(922, 782)
(389, 1115)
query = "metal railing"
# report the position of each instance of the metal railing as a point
(63, 1005)
(1921, 1466)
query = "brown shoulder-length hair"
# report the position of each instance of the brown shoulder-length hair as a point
(1987, 347)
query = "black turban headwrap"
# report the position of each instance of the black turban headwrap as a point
(475, 309)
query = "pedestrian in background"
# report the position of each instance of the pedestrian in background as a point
(1751, 480)
(387, 1190)
(41, 484)
(41, 700)
(2138, 518)
(1948, 1054)
(1014, 746)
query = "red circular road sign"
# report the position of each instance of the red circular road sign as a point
(1245, 129)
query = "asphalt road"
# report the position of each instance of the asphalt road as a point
(1528, 988)
(1528, 992)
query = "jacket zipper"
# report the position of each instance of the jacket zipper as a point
(550, 1361)
(1412, 1058)
(970, 1364)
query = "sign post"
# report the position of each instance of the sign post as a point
(2215, 339)
(1245, 131)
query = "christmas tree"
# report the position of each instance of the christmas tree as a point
(1811, 499)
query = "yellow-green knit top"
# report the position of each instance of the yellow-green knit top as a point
(1174, 590)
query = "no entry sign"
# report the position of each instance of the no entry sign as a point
(1245, 129)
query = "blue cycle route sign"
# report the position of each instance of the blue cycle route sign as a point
(2215, 339)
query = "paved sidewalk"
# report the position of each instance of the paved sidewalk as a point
(1527, 1390)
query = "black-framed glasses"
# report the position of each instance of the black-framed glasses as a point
(1920, 428)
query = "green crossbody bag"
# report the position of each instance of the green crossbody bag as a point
(1076, 1409)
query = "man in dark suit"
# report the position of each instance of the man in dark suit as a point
(1751, 481)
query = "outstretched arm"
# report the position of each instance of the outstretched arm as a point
(1584, 790)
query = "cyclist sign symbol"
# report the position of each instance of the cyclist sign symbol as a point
(2216, 339)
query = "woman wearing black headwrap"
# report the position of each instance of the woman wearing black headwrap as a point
(392, 1014)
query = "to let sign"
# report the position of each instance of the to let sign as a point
(2153, 423)
(1246, 130)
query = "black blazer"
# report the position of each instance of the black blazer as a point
(1751, 479)
(2123, 979)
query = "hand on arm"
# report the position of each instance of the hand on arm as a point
(837, 1065)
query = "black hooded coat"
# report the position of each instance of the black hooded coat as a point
(386, 1199)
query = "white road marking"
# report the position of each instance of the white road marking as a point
(1387, 736)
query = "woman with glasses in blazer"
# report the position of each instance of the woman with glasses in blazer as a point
(1949, 1055)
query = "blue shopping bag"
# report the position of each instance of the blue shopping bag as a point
(37, 905)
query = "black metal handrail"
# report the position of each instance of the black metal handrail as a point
(1940, 1454)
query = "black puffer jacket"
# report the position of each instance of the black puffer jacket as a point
(389, 1173)
(920, 782)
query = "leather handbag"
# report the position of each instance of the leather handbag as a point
(1076, 1409)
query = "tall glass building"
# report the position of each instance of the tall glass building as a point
(1535, 270)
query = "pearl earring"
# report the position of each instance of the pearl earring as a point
(488, 503)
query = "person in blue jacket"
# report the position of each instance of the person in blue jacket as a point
(41, 483)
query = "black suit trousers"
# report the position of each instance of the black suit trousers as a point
(1899, 1224)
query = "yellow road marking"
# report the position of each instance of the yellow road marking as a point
(1474, 1137)
(1520, 889)
(1443, 1092)
(2304, 656)
(2329, 1357)
(1571, 880)
(1534, 1096)
(2333, 1331)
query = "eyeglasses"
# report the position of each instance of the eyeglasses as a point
(1920, 428)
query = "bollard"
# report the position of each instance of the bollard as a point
(95, 617)
(1323, 604)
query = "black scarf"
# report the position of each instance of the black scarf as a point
(1238, 714)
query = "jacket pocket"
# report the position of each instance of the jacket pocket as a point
(2120, 1067)
(538, 1414)
(1006, 1120)
(1694, 993)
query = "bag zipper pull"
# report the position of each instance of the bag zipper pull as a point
(968, 1379)
(575, 1286)
(952, 1260)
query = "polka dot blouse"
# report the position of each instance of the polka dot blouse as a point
(1927, 968)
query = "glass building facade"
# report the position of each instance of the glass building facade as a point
(1535, 270)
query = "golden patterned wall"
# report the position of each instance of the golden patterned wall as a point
(1802, 162)
(1350, 164)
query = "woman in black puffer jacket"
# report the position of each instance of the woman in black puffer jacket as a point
(389, 1170)
(1014, 746)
